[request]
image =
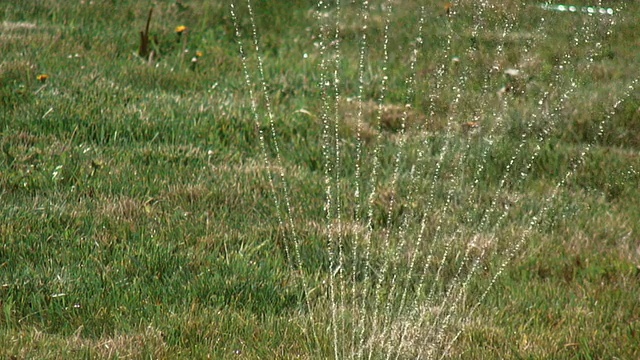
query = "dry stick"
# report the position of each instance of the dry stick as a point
(144, 38)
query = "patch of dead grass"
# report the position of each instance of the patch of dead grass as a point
(390, 117)
(31, 344)
(337, 228)
(19, 71)
(16, 25)
(124, 208)
(256, 167)
(190, 193)
(124, 346)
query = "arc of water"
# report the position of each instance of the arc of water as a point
(325, 87)
(484, 157)
(297, 258)
(362, 312)
(511, 251)
(410, 83)
(448, 199)
(591, 10)
(536, 218)
(455, 291)
(363, 13)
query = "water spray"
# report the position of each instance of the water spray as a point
(591, 10)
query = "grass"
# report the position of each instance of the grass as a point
(141, 220)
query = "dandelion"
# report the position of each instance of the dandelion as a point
(199, 54)
(42, 77)
(180, 29)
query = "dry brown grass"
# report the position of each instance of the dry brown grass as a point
(124, 208)
(35, 344)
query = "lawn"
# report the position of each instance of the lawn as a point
(300, 179)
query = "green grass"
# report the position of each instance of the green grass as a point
(144, 216)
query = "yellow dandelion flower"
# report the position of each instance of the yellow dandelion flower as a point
(42, 77)
(180, 29)
(199, 54)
